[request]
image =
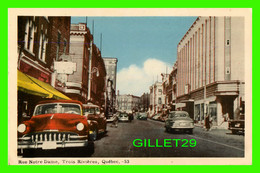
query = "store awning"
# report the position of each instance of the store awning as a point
(31, 85)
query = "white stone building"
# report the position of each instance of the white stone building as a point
(211, 68)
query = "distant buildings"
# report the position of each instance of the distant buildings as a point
(157, 98)
(144, 102)
(128, 103)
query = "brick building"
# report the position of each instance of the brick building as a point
(38, 48)
(76, 78)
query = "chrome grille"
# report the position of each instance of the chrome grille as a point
(50, 136)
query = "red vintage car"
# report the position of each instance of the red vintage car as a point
(55, 124)
(98, 122)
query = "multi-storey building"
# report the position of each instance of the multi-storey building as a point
(157, 98)
(111, 69)
(41, 40)
(128, 103)
(145, 102)
(74, 74)
(211, 71)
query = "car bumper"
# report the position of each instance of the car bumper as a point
(51, 145)
(124, 119)
(181, 127)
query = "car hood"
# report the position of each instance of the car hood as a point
(58, 121)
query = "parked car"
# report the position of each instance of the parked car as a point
(237, 125)
(98, 122)
(54, 124)
(142, 116)
(124, 117)
(179, 121)
(156, 117)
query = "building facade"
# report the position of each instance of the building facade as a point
(111, 69)
(82, 73)
(145, 102)
(41, 40)
(128, 103)
(157, 98)
(211, 75)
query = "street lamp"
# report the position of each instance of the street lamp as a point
(95, 70)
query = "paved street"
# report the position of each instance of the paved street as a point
(118, 142)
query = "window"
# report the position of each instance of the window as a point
(228, 42)
(29, 35)
(42, 44)
(57, 108)
(159, 100)
(65, 46)
(160, 91)
(58, 46)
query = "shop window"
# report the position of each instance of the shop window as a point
(213, 112)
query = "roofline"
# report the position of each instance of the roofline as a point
(189, 30)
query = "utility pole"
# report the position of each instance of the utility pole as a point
(89, 71)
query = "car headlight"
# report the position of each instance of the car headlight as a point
(80, 126)
(21, 128)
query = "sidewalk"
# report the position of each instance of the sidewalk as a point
(216, 131)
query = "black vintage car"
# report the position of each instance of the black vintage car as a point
(237, 125)
(142, 116)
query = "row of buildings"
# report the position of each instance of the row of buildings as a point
(209, 74)
(59, 60)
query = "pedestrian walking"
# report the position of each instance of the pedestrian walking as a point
(207, 122)
(115, 121)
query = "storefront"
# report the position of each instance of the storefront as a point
(30, 91)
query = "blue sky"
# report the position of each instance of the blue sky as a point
(137, 42)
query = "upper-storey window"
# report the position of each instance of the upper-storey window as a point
(43, 44)
(58, 46)
(29, 35)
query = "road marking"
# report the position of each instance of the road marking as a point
(219, 143)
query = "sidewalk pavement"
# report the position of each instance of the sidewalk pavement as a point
(214, 130)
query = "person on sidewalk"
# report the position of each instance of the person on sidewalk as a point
(115, 121)
(207, 122)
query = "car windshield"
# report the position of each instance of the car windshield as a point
(90, 110)
(178, 115)
(57, 108)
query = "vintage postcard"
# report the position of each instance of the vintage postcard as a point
(130, 86)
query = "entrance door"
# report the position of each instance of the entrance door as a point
(228, 106)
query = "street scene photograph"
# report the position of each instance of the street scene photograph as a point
(130, 87)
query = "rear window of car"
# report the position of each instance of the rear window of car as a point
(57, 108)
(178, 115)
